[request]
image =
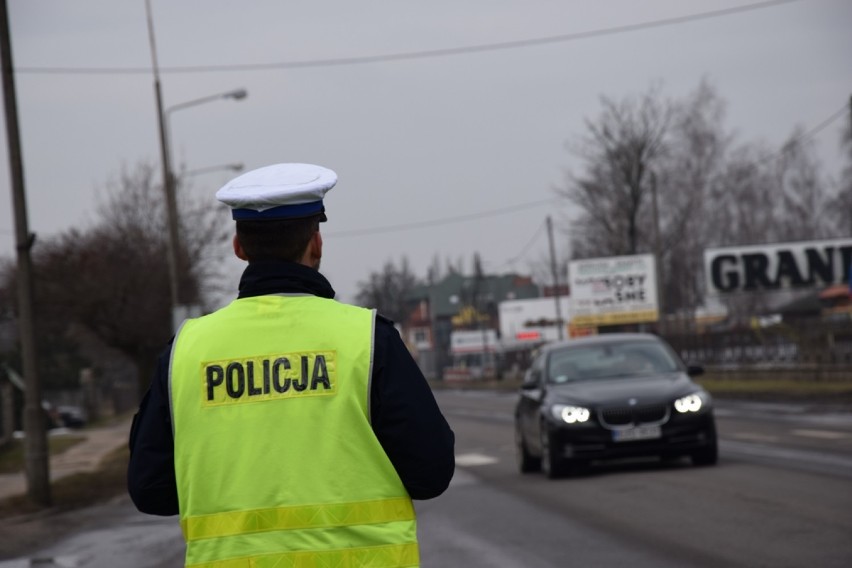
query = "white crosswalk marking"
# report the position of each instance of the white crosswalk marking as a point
(474, 459)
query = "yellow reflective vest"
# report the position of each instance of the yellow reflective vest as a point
(275, 459)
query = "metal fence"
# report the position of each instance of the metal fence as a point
(808, 346)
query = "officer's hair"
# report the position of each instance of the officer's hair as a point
(279, 239)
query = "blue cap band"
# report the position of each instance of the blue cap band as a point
(281, 212)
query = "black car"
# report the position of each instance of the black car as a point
(611, 396)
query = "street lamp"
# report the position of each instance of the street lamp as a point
(179, 310)
(236, 94)
(236, 167)
(168, 178)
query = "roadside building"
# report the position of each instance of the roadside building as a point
(457, 303)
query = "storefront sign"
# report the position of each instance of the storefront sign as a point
(771, 267)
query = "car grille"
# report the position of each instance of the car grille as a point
(629, 415)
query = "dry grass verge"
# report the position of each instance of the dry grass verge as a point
(32, 527)
(781, 390)
(79, 489)
(12, 455)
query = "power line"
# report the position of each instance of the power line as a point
(491, 213)
(502, 211)
(808, 135)
(412, 55)
(822, 125)
(526, 247)
(443, 221)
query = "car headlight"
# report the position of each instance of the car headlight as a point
(691, 402)
(570, 414)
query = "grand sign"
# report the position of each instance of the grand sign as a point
(771, 267)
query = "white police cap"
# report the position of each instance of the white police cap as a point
(279, 191)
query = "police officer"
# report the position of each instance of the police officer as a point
(288, 429)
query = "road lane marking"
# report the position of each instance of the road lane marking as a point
(474, 459)
(842, 463)
(822, 434)
(755, 437)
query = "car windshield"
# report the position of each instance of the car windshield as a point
(609, 360)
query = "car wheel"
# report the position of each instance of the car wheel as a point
(706, 456)
(527, 463)
(552, 464)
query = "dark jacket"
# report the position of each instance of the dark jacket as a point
(405, 417)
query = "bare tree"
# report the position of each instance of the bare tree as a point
(841, 204)
(434, 272)
(387, 290)
(805, 200)
(133, 207)
(744, 200)
(696, 147)
(650, 165)
(620, 150)
(110, 281)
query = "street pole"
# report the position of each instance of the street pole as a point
(173, 247)
(657, 247)
(36, 455)
(555, 274)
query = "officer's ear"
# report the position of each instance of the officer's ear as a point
(318, 240)
(313, 251)
(238, 249)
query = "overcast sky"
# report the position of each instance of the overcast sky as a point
(416, 142)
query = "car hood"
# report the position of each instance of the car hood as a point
(646, 390)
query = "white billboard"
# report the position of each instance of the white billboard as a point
(771, 267)
(613, 290)
(532, 319)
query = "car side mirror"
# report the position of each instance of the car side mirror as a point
(695, 370)
(530, 381)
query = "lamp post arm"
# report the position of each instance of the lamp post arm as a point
(204, 170)
(238, 94)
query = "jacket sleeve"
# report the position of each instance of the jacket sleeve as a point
(406, 418)
(151, 472)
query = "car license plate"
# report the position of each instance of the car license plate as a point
(637, 433)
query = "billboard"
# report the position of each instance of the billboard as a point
(532, 319)
(613, 290)
(772, 267)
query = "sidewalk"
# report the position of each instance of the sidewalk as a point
(80, 458)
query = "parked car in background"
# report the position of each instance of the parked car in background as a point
(611, 396)
(72, 416)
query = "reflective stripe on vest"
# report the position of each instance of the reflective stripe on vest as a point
(275, 458)
(393, 556)
(299, 517)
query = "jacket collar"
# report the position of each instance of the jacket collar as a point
(281, 277)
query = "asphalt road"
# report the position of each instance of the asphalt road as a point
(780, 496)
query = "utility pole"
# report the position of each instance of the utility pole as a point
(658, 251)
(554, 272)
(37, 460)
(168, 183)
